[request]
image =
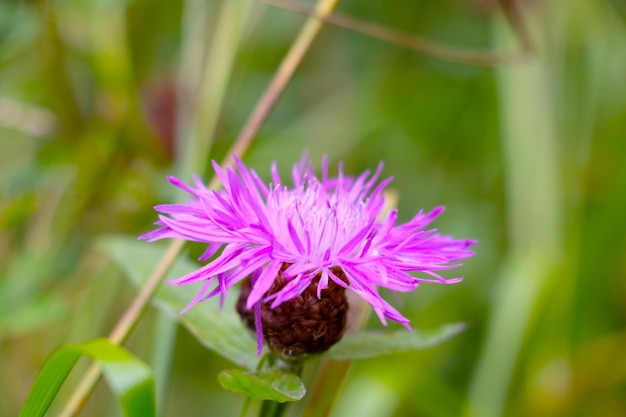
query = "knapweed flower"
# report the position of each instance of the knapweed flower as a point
(297, 249)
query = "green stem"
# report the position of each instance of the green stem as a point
(273, 409)
(330, 381)
(245, 406)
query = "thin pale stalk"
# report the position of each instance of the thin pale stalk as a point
(425, 45)
(282, 76)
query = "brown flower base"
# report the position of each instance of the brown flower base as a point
(303, 326)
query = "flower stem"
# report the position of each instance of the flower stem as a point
(245, 406)
(273, 409)
(330, 381)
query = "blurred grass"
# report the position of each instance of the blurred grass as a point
(88, 105)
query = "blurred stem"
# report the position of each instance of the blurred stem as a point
(108, 41)
(52, 54)
(282, 76)
(163, 347)
(244, 408)
(273, 409)
(332, 374)
(193, 144)
(425, 45)
(533, 192)
(330, 381)
(118, 102)
(202, 97)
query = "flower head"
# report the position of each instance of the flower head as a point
(315, 237)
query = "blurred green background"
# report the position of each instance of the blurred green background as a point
(529, 159)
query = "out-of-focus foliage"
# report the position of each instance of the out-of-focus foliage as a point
(130, 379)
(530, 160)
(219, 329)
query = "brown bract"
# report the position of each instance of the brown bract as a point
(304, 326)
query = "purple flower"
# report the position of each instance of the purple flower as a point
(305, 234)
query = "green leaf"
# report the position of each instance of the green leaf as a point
(221, 330)
(130, 379)
(267, 384)
(370, 343)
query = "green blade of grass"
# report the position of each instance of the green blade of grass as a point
(130, 379)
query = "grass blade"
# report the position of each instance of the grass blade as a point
(130, 379)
